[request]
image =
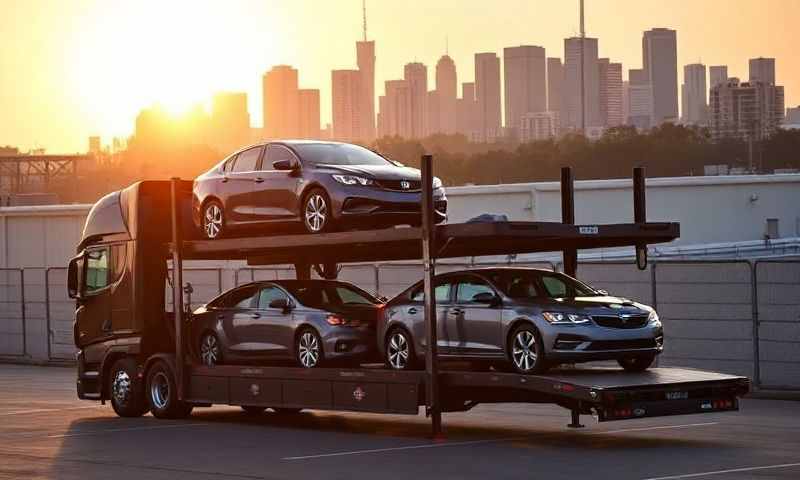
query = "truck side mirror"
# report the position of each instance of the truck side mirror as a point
(74, 275)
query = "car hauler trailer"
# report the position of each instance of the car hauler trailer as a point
(134, 353)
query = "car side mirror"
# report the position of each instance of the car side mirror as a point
(285, 165)
(281, 304)
(74, 275)
(487, 298)
(602, 292)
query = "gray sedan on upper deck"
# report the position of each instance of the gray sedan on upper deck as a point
(528, 318)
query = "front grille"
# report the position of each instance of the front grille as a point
(397, 185)
(615, 321)
(622, 344)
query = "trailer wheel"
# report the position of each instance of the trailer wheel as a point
(399, 350)
(162, 393)
(125, 389)
(253, 409)
(308, 348)
(636, 364)
(526, 351)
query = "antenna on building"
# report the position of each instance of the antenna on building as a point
(364, 14)
(446, 45)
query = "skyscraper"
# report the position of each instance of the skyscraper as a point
(416, 74)
(346, 103)
(747, 111)
(308, 111)
(762, 70)
(640, 99)
(468, 122)
(394, 117)
(487, 95)
(717, 74)
(230, 121)
(694, 107)
(572, 113)
(525, 83)
(660, 64)
(365, 58)
(446, 95)
(280, 102)
(555, 85)
(610, 78)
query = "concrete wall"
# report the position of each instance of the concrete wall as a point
(709, 209)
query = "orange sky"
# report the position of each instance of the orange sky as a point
(74, 68)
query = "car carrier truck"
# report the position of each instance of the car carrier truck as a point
(133, 352)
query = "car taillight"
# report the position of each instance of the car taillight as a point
(338, 321)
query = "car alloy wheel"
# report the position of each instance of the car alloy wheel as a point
(212, 220)
(316, 212)
(308, 349)
(524, 350)
(398, 351)
(210, 353)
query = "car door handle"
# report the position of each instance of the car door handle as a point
(456, 311)
(255, 315)
(412, 310)
(224, 180)
(258, 179)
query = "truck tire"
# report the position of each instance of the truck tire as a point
(162, 393)
(125, 389)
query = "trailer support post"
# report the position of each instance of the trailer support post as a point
(575, 419)
(568, 217)
(177, 287)
(639, 213)
(433, 405)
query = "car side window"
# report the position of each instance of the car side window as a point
(267, 295)
(241, 298)
(247, 160)
(554, 286)
(468, 288)
(441, 293)
(276, 153)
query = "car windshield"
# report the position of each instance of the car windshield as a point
(339, 154)
(324, 295)
(521, 284)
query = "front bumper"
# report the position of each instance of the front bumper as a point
(583, 343)
(386, 207)
(352, 343)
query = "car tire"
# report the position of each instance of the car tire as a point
(526, 350)
(125, 389)
(253, 410)
(308, 349)
(636, 363)
(213, 220)
(162, 393)
(399, 350)
(286, 411)
(317, 212)
(210, 350)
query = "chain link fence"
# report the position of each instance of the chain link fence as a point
(730, 316)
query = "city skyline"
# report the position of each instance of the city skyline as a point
(82, 108)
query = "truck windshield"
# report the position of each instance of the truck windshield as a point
(521, 284)
(338, 154)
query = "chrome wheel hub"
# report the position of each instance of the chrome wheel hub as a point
(213, 221)
(121, 387)
(308, 350)
(159, 390)
(523, 350)
(316, 212)
(209, 350)
(397, 351)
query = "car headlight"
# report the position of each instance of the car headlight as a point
(565, 318)
(653, 318)
(437, 182)
(352, 180)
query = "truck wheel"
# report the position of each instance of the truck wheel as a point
(125, 389)
(308, 349)
(162, 393)
(253, 409)
(526, 351)
(636, 364)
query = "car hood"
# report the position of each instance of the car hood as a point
(597, 305)
(382, 172)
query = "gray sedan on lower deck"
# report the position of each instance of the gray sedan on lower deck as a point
(529, 319)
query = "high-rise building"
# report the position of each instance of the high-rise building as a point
(762, 70)
(95, 147)
(640, 99)
(346, 103)
(610, 78)
(747, 111)
(446, 96)
(308, 111)
(525, 77)
(468, 122)
(394, 117)
(432, 110)
(365, 55)
(694, 107)
(416, 74)
(538, 126)
(626, 102)
(230, 121)
(717, 74)
(555, 85)
(280, 102)
(792, 116)
(572, 111)
(487, 95)
(660, 60)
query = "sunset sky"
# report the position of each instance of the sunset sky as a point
(74, 68)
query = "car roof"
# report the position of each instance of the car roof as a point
(290, 142)
(490, 270)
